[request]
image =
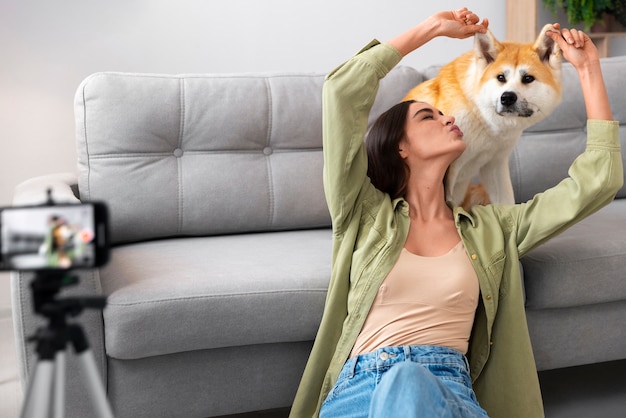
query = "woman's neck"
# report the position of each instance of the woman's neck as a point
(427, 202)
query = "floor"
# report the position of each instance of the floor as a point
(578, 392)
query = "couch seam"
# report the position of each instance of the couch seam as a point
(231, 295)
(584, 305)
(163, 154)
(97, 288)
(579, 260)
(24, 347)
(250, 75)
(270, 126)
(181, 132)
(88, 183)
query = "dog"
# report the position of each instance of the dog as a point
(494, 92)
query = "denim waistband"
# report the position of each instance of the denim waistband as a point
(387, 356)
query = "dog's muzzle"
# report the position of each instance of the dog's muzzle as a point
(510, 106)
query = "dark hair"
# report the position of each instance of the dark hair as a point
(386, 168)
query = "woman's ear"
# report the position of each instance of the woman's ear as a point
(402, 151)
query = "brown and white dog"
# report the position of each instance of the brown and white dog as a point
(494, 92)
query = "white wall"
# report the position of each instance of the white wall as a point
(48, 47)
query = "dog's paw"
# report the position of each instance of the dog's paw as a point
(476, 195)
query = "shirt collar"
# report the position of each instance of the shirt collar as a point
(401, 204)
(459, 212)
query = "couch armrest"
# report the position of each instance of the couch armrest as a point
(33, 192)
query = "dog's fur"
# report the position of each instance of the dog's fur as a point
(494, 92)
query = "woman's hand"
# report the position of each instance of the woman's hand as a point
(578, 49)
(458, 24)
(576, 46)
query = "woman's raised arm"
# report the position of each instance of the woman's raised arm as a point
(458, 24)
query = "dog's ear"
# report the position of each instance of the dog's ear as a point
(486, 47)
(548, 50)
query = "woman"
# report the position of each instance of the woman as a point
(425, 314)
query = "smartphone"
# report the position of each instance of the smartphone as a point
(54, 237)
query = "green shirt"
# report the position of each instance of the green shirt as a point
(369, 231)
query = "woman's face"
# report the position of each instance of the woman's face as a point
(430, 135)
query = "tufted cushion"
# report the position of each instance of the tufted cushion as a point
(207, 154)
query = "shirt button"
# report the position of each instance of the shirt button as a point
(488, 297)
(384, 356)
(474, 256)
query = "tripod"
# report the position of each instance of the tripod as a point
(45, 396)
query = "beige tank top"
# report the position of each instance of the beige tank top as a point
(423, 301)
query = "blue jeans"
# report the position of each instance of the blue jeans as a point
(409, 381)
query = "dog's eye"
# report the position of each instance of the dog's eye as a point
(501, 78)
(528, 79)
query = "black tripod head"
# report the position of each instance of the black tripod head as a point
(47, 285)
(57, 333)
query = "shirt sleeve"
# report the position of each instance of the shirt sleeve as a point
(594, 179)
(348, 95)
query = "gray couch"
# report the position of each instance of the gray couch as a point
(222, 238)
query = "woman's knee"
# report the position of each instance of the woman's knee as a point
(409, 372)
(408, 378)
(407, 389)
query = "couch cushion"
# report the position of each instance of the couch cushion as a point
(174, 155)
(579, 335)
(187, 294)
(584, 265)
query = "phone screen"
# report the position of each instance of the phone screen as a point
(49, 237)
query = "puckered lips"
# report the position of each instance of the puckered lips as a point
(457, 130)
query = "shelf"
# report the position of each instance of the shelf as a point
(522, 25)
(602, 39)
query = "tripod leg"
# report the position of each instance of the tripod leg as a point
(37, 402)
(94, 384)
(38, 399)
(59, 385)
(89, 372)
